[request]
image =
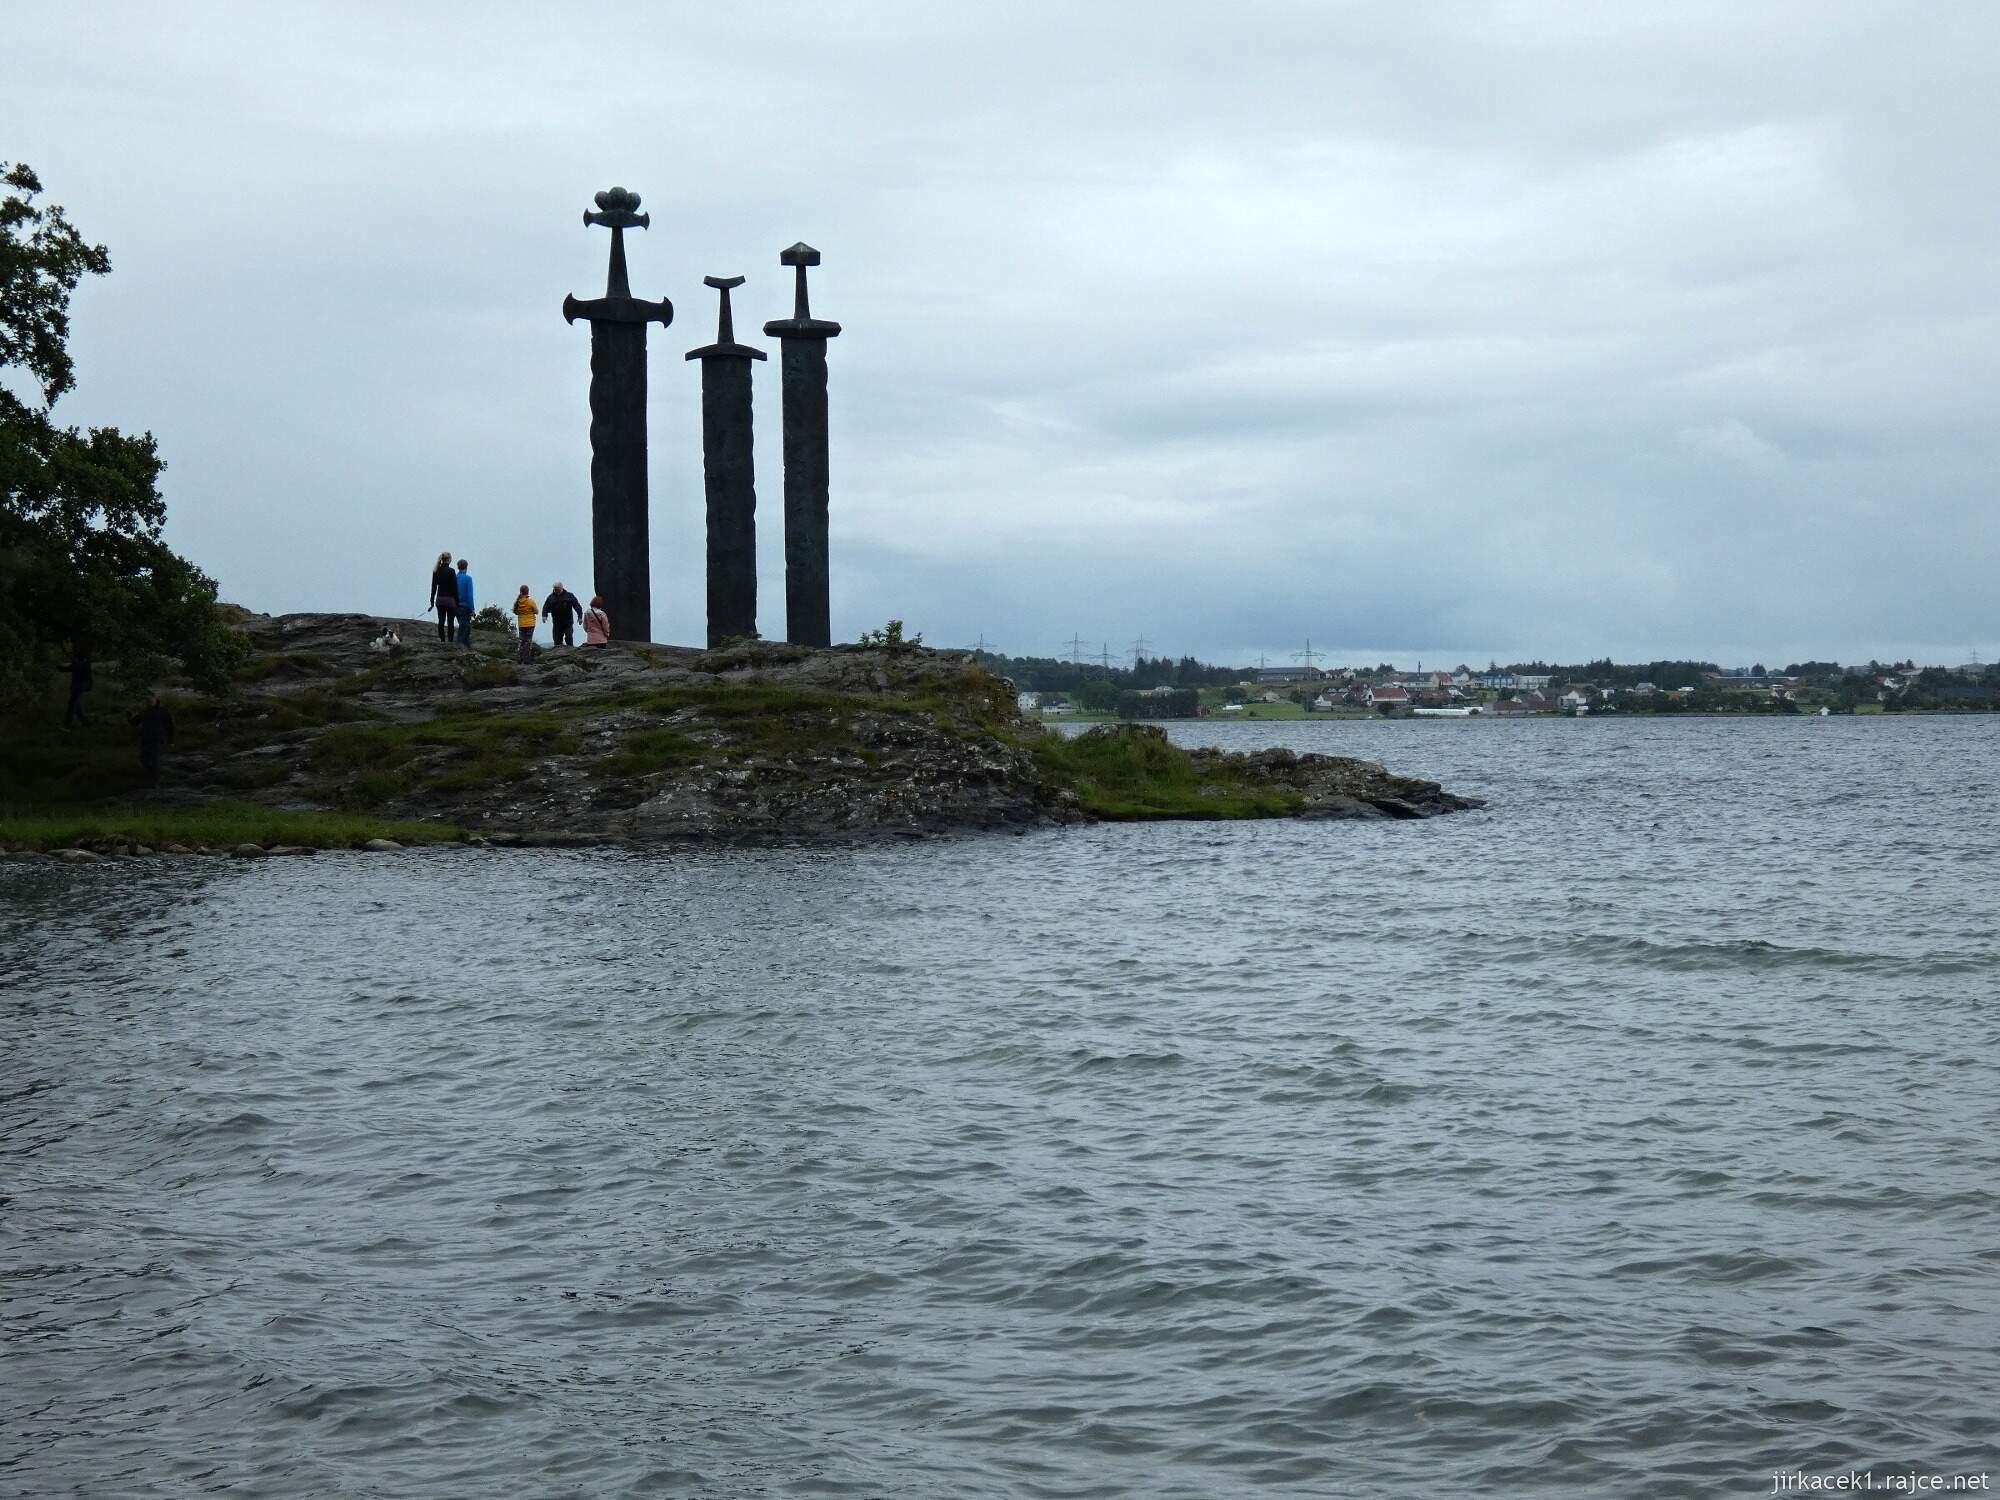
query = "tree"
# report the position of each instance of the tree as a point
(82, 564)
(1097, 695)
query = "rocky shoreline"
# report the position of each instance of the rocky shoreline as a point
(760, 742)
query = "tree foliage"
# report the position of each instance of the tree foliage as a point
(82, 563)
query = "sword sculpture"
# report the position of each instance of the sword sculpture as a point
(807, 616)
(618, 519)
(728, 475)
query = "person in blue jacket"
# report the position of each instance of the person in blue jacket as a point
(465, 606)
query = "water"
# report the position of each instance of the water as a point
(1634, 1136)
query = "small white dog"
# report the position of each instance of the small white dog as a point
(385, 640)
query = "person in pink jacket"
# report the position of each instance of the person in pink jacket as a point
(596, 623)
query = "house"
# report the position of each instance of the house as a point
(1389, 695)
(1575, 700)
(1532, 679)
(1323, 703)
(1027, 702)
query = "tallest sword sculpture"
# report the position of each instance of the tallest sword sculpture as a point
(619, 531)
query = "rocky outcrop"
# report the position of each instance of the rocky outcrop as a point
(756, 742)
(1337, 786)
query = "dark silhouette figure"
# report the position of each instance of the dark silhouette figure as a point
(562, 607)
(444, 595)
(80, 680)
(156, 729)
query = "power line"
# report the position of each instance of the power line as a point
(1139, 648)
(1104, 657)
(982, 644)
(1308, 656)
(1075, 644)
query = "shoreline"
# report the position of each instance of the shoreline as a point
(333, 737)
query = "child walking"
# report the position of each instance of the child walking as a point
(525, 616)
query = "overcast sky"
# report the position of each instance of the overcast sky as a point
(1423, 330)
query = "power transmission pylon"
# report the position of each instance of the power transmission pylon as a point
(1308, 656)
(1075, 644)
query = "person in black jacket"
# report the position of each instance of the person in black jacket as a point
(562, 607)
(156, 727)
(80, 679)
(444, 595)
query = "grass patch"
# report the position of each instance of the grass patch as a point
(282, 664)
(257, 774)
(311, 709)
(1135, 774)
(457, 751)
(651, 750)
(759, 718)
(215, 823)
(45, 764)
(492, 675)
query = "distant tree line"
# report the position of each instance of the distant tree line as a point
(1046, 674)
(1665, 675)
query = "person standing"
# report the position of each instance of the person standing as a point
(562, 607)
(156, 728)
(524, 616)
(80, 680)
(444, 595)
(596, 624)
(466, 604)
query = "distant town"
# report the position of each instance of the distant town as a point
(1165, 688)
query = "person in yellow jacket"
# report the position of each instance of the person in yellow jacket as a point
(525, 616)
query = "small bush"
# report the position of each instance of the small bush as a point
(890, 634)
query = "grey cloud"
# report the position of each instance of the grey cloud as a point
(1507, 329)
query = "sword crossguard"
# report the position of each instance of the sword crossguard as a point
(619, 218)
(725, 344)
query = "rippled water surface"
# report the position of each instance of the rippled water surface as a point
(1636, 1136)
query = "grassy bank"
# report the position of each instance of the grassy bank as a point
(1132, 776)
(214, 824)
